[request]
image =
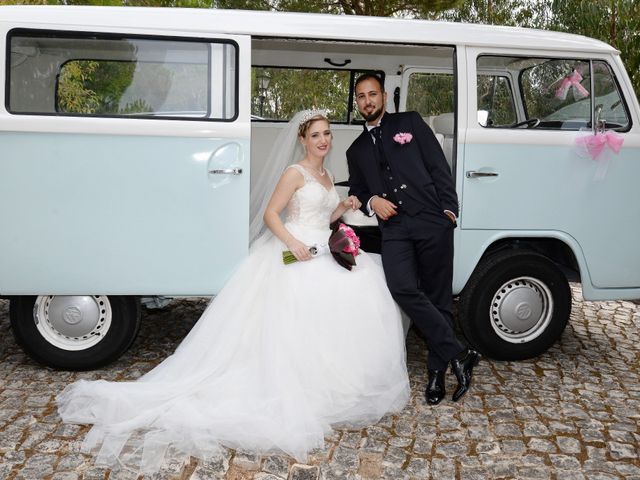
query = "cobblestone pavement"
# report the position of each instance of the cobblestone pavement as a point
(573, 413)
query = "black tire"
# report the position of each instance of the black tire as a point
(515, 305)
(95, 349)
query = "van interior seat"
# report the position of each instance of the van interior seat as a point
(429, 121)
(444, 124)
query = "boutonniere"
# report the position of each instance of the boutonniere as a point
(402, 138)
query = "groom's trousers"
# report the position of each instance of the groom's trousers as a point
(417, 256)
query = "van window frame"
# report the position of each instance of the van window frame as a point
(435, 71)
(512, 96)
(82, 34)
(589, 61)
(520, 93)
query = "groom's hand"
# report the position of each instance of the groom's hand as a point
(383, 208)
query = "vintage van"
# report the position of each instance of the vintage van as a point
(129, 138)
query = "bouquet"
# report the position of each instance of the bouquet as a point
(343, 244)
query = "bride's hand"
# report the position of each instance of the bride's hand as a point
(352, 202)
(299, 250)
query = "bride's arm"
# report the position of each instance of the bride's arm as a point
(289, 182)
(351, 202)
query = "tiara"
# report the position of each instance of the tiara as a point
(309, 114)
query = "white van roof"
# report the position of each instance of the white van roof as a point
(294, 25)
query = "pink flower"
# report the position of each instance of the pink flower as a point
(343, 245)
(402, 138)
(354, 242)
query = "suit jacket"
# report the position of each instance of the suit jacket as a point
(421, 174)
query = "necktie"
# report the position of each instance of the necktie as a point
(377, 135)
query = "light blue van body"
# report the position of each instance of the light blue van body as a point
(121, 214)
(151, 199)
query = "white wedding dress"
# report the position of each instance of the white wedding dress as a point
(281, 354)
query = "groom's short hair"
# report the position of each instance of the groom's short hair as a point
(370, 76)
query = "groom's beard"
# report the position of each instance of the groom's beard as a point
(372, 116)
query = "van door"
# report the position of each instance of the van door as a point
(533, 199)
(430, 92)
(125, 163)
(524, 172)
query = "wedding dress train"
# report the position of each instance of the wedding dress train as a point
(280, 354)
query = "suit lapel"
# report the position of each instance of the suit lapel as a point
(367, 158)
(367, 152)
(387, 135)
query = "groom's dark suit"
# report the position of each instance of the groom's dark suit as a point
(417, 243)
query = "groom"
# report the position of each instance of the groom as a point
(399, 173)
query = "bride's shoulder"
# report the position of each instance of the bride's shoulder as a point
(296, 170)
(294, 173)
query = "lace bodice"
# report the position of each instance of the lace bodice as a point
(312, 204)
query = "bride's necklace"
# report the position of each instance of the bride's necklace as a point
(320, 173)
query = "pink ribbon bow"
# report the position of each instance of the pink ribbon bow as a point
(571, 80)
(595, 143)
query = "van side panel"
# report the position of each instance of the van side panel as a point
(542, 186)
(117, 214)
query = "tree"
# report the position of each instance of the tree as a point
(380, 8)
(616, 22)
(520, 13)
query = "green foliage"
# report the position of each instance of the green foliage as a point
(92, 87)
(325, 89)
(381, 8)
(615, 22)
(430, 93)
(73, 94)
(521, 13)
(496, 98)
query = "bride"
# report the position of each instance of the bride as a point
(280, 355)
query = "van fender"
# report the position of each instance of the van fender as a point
(471, 245)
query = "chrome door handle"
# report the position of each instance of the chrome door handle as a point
(230, 171)
(474, 174)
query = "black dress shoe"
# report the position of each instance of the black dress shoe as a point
(463, 370)
(435, 387)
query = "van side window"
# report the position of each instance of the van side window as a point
(80, 74)
(557, 92)
(609, 105)
(495, 101)
(430, 93)
(279, 92)
(548, 93)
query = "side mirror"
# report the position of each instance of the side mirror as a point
(483, 117)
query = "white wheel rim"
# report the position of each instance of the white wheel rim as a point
(521, 309)
(72, 322)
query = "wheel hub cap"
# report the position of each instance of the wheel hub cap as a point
(73, 322)
(521, 309)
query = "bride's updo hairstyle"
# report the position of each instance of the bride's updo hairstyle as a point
(309, 117)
